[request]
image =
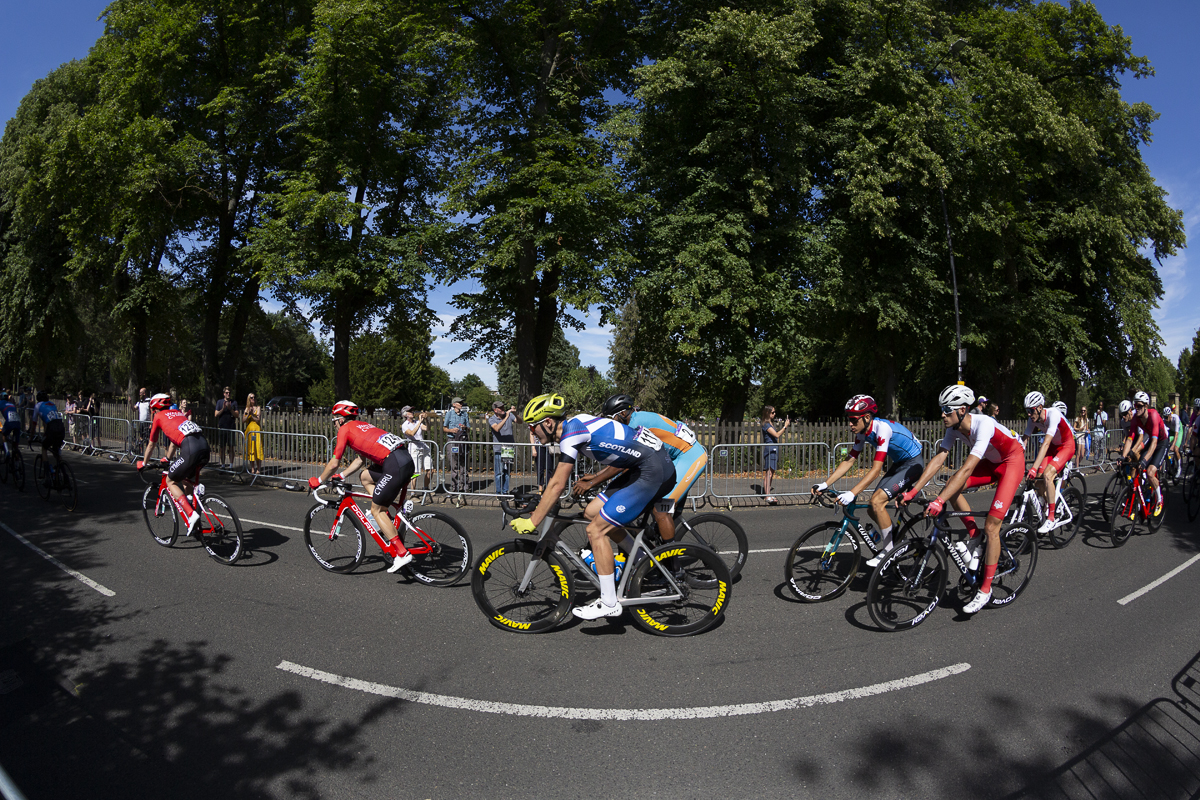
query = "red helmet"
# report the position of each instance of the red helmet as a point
(344, 408)
(861, 404)
(160, 400)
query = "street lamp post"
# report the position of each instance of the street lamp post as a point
(960, 354)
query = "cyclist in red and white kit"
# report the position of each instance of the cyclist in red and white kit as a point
(388, 469)
(188, 443)
(1150, 431)
(996, 456)
(1058, 446)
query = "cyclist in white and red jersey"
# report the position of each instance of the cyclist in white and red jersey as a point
(188, 442)
(1151, 434)
(996, 455)
(891, 439)
(1058, 447)
(388, 469)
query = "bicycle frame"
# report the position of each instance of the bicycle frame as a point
(348, 503)
(1136, 502)
(855, 531)
(1031, 499)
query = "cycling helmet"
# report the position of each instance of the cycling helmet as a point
(616, 404)
(42, 397)
(1167, 411)
(1061, 406)
(345, 408)
(160, 401)
(861, 404)
(1196, 403)
(1141, 397)
(543, 406)
(955, 395)
(1125, 407)
(1035, 399)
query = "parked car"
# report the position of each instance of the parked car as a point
(285, 404)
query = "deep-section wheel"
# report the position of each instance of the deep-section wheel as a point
(907, 585)
(66, 485)
(1018, 559)
(822, 562)
(1062, 535)
(18, 469)
(700, 592)
(221, 530)
(449, 549)
(1125, 514)
(336, 547)
(41, 477)
(721, 534)
(496, 580)
(159, 512)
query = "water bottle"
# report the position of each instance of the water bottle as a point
(199, 490)
(590, 559)
(868, 533)
(963, 552)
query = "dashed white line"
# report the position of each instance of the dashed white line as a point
(624, 714)
(1129, 598)
(79, 576)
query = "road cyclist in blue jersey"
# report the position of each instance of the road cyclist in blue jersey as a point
(46, 414)
(12, 422)
(891, 440)
(649, 476)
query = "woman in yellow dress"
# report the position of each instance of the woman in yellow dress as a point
(254, 448)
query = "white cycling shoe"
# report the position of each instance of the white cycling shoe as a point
(1048, 526)
(977, 602)
(887, 548)
(400, 562)
(596, 610)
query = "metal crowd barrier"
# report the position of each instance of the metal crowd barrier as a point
(225, 442)
(736, 470)
(110, 435)
(291, 456)
(519, 463)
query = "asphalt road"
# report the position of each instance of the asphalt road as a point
(173, 684)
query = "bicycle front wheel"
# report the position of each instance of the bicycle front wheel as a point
(1018, 559)
(220, 530)
(41, 477)
(496, 585)
(159, 512)
(719, 533)
(907, 585)
(821, 563)
(1061, 536)
(18, 470)
(1124, 517)
(1111, 489)
(704, 584)
(336, 547)
(66, 486)
(449, 549)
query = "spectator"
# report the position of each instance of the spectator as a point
(992, 410)
(142, 407)
(456, 426)
(25, 406)
(501, 423)
(1099, 427)
(92, 410)
(186, 407)
(71, 409)
(415, 428)
(545, 458)
(250, 422)
(227, 415)
(1083, 432)
(771, 450)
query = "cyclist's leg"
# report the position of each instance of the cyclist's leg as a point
(689, 466)
(392, 476)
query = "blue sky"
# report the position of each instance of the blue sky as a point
(38, 36)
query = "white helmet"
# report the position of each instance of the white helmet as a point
(1141, 397)
(954, 396)
(1125, 407)
(1035, 399)
(1061, 406)
(1167, 411)
(1196, 403)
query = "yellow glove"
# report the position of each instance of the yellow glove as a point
(523, 525)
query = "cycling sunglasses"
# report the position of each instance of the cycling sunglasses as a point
(948, 410)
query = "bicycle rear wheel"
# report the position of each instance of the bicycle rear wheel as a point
(1079, 482)
(41, 477)
(907, 585)
(1061, 536)
(159, 512)
(821, 563)
(220, 530)
(1018, 559)
(337, 548)
(721, 534)
(67, 490)
(497, 576)
(450, 555)
(1124, 517)
(18, 470)
(1111, 489)
(1193, 498)
(1157, 513)
(705, 583)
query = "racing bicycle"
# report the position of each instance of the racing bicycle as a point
(220, 529)
(528, 586)
(13, 462)
(51, 478)
(1069, 507)
(911, 580)
(1133, 504)
(336, 533)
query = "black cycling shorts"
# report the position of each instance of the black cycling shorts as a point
(391, 476)
(901, 476)
(1160, 453)
(54, 435)
(191, 457)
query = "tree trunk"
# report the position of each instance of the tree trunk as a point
(237, 331)
(342, 329)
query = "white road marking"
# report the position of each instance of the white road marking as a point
(272, 524)
(641, 714)
(1129, 598)
(79, 576)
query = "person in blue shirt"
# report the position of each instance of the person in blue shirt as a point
(12, 422)
(891, 439)
(53, 430)
(649, 476)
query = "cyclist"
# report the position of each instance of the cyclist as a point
(1148, 428)
(188, 442)
(54, 432)
(1175, 428)
(1058, 447)
(995, 455)
(649, 476)
(387, 469)
(890, 439)
(12, 422)
(1193, 430)
(687, 456)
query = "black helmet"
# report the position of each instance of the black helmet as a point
(42, 397)
(616, 404)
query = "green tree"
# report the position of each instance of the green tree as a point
(562, 358)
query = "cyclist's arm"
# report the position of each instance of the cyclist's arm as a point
(959, 479)
(554, 490)
(872, 474)
(588, 481)
(1042, 451)
(841, 470)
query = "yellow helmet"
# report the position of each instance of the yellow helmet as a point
(543, 406)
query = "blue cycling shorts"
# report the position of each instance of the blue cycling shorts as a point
(637, 487)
